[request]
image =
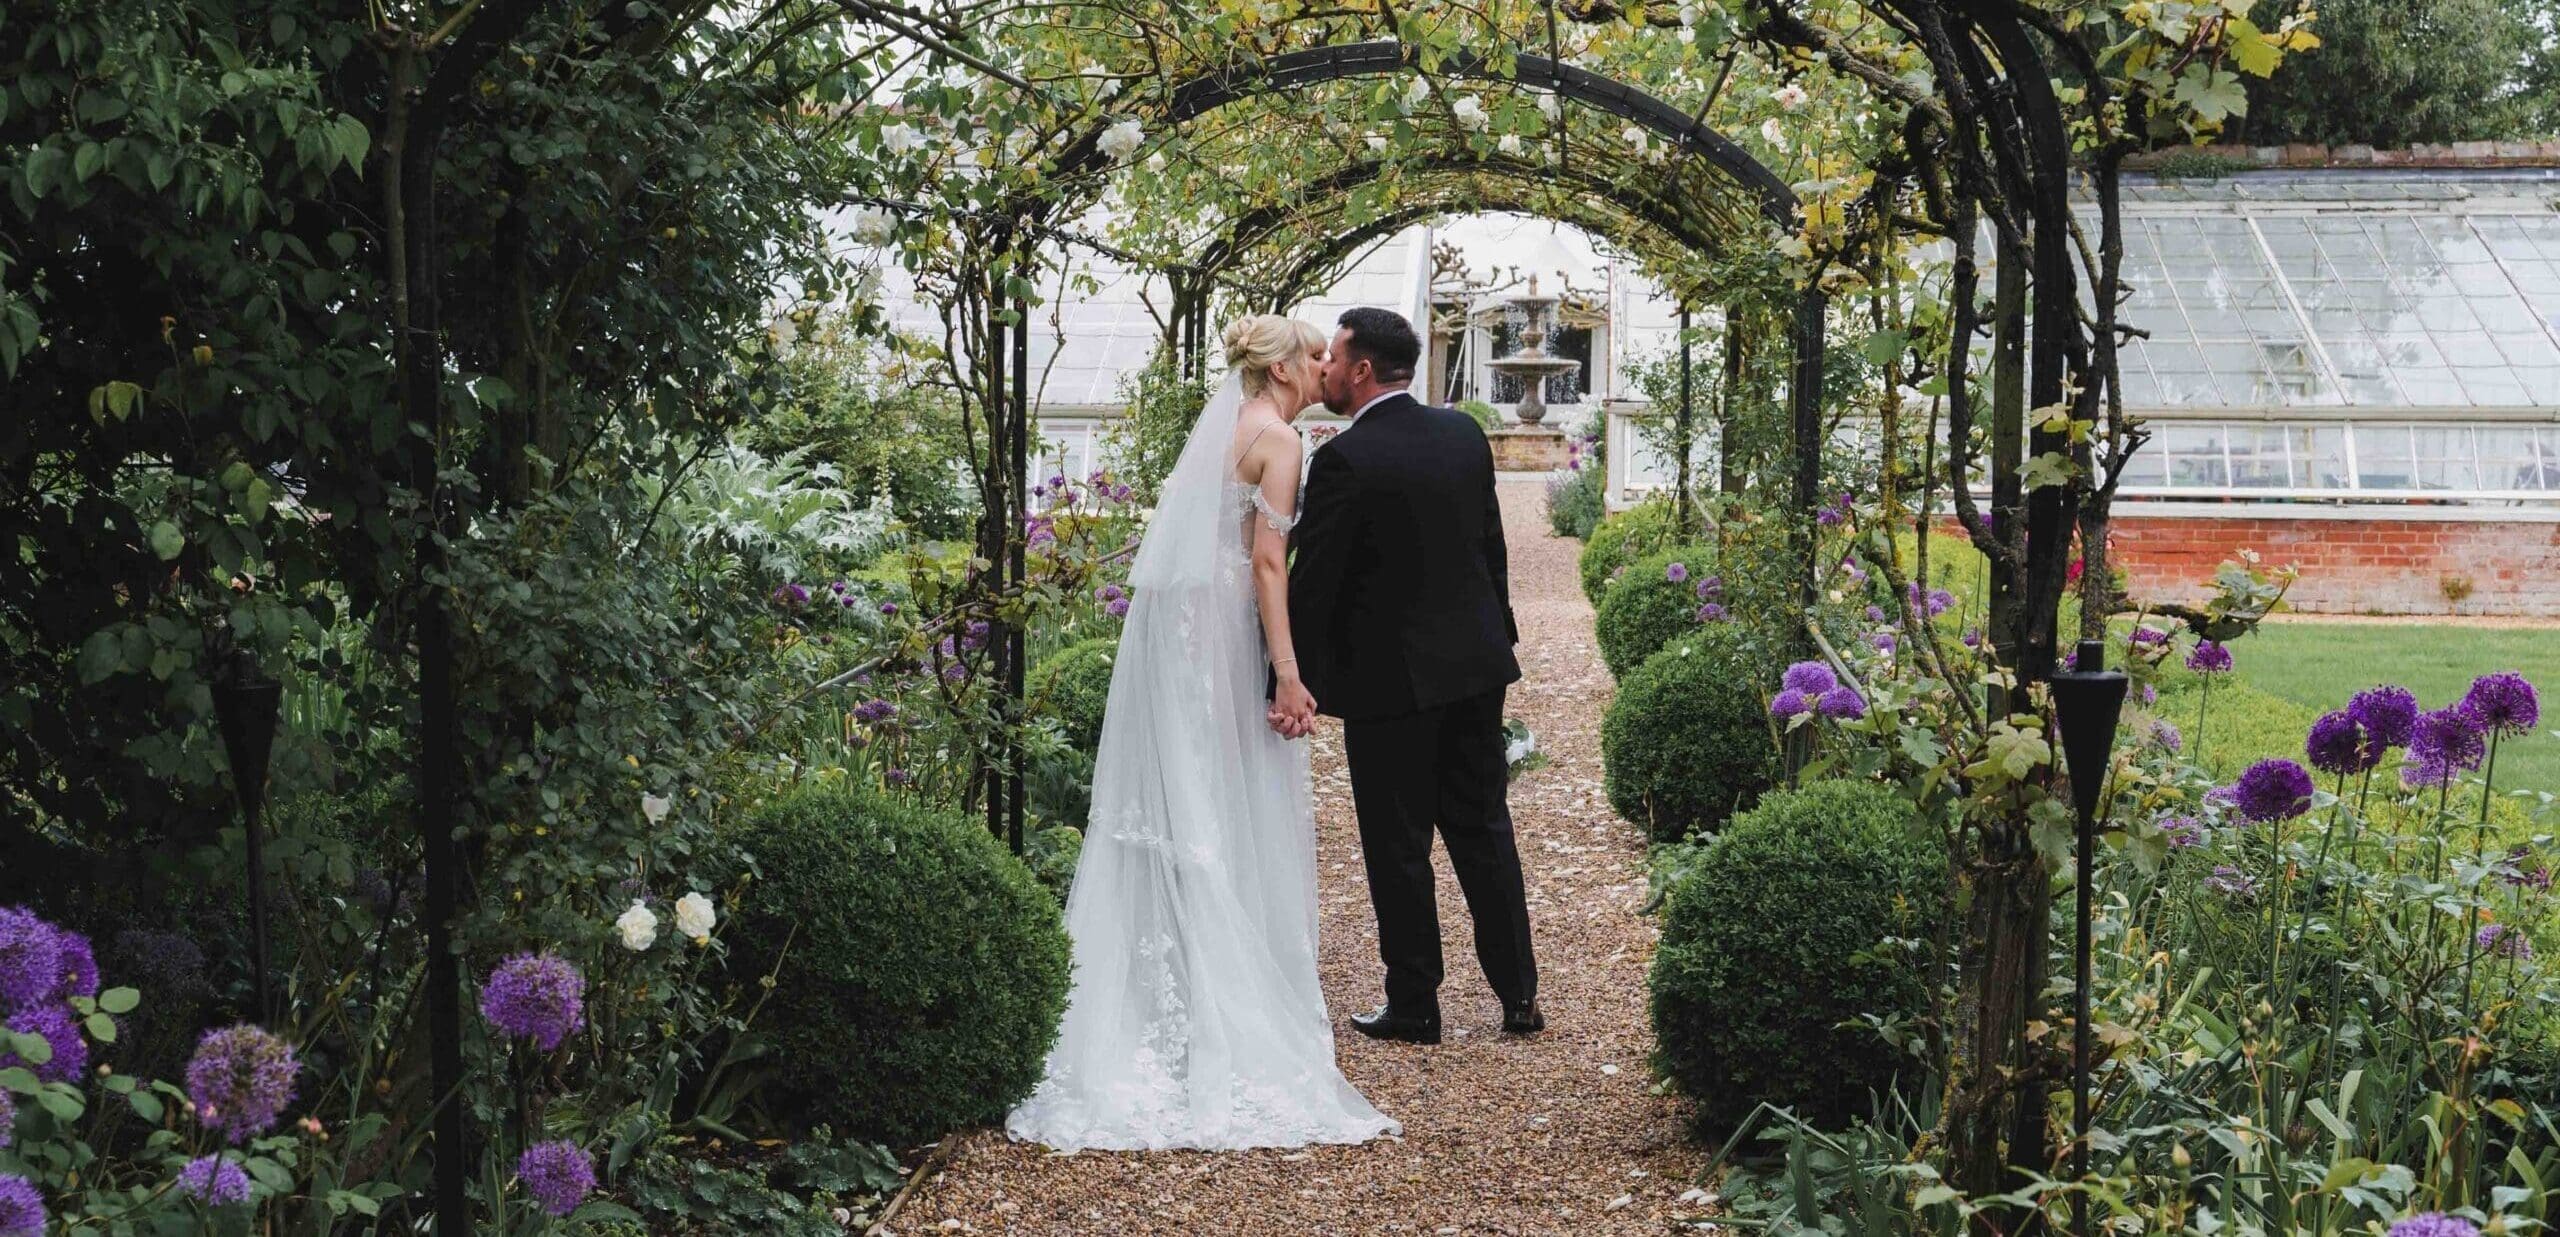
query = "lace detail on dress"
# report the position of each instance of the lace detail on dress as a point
(1279, 523)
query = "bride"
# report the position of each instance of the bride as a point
(1195, 1020)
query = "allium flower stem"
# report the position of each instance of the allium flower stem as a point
(2202, 698)
(2480, 855)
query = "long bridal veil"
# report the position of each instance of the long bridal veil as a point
(1195, 1019)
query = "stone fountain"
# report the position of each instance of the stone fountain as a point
(1531, 364)
(1531, 446)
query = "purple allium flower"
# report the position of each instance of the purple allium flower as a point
(214, 1181)
(172, 966)
(240, 1081)
(974, 636)
(1940, 601)
(1973, 638)
(8, 1116)
(1119, 607)
(2337, 744)
(537, 996)
(1677, 573)
(1884, 642)
(21, 1208)
(79, 967)
(1810, 677)
(2445, 745)
(30, 958)
(889, 608)
(1875, 614)
(899, 777)
(2272, 790)
(2148, 635)
(1122, 493)
(2231, 882)
(1710, 588)
(558, 1175)
(2524, 872)
(1828, 516)
(2503, 702)
(57, 1026)
(1108, 592)
(1842, 703)
(2504, 942)
(2182, 832)
(2209, 657)
(874, 711)
(1711, 612)
(791, 596)
(2434, 1224)
(2165, 736)
(2150, 694)
(1789, 704)
(1857, 573)
(2389, 715)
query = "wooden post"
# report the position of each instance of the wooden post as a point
(1680, 501)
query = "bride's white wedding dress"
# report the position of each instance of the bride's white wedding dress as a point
(1195, 1019)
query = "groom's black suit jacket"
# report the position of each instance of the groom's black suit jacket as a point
(1400, 592)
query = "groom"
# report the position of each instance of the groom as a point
(1400, 600)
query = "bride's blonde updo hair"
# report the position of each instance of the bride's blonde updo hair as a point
(1262, 342)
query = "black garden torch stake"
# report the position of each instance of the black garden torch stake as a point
(2087, 700)
(245, 701)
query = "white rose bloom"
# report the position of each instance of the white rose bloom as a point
(1549, 105)
(694, 917)
(1155, 162)
(872, 225)
(638, 928)
(655, 806)
(1510, 144)
(1636, 138)
(1792, 96)
(900, 138)
(1123, 139)
(1773, 133)
(1416, 91)
(1470, 112)
(1686, 36)
(1376, 143)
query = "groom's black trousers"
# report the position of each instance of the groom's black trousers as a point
(1440, 767)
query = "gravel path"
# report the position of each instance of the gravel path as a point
(1552, 1135)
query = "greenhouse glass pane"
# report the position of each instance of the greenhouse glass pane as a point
(2259, 457)
(2320, 457)
(2511, 458)
(2383, 461)
(2146, 467)
(2194, 455)
(2447, 458)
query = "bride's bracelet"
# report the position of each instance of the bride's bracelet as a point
(1283, 662)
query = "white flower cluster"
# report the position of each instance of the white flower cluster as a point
(1122, 140)
(637, 926)
(1471, 114)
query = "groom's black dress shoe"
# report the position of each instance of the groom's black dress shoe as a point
(1387, 1022)
(1523, 1018)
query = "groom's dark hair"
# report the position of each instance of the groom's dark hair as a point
(1385, 339)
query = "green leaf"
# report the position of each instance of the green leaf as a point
(101, 656)
(2047, 471)
(166, 541)
(101, 1027)
(86, 161)
(1883, 346)
(63, 1102)
(2252, 52)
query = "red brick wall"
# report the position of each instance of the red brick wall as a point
(2352, 566)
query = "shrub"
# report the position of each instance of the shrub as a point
(1073, 685)
(1574, 504)
(1486, 415)
(926, 968)
(1686, 742)
(1774, 952)
(1648, 608)
(1052, 854)
(1620, 539)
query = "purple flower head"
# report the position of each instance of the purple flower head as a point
(1789, 704)
(21, 1208)
(974, 636)
(79, 967)
(559, 1175)
(2150, 694)
(2165, 736)
(2272, 790)
(874, 711)
(57, 1026)
(791, 596)
(1677, 573)
(172, 966)
(214, 1181)
(1973, 638)
(2445, 745)
(1108, 592)
(1884, 642)
(1857, 573)
(1711, 612)
(889, 608)
(240, 1081)
(1810, 677)
(1828, 516)
(1711, 588)
(2503, 702)
(2209, 657)
(1875, 614)
(30, 958)
(2231, 882)
(2182, 832)
(2434, 1224)
(536, 996)
(2389, 715)
(2504, 942)
(2523, 872)
(2149, 635)
(1940, 601)
(1119, 607)
(900, 777)
(2337, 744)
(1842, 703)
(1040, 530)
(1122, 493)
(955, 672)
(1058, 481)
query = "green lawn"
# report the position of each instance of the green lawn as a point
(2318, 665)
